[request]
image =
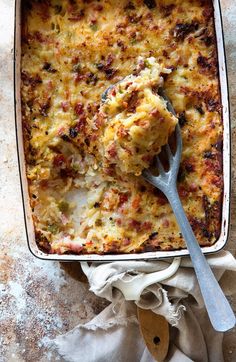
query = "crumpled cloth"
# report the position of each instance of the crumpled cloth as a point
(114, 336)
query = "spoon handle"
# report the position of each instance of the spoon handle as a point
(155, 331)
(219, 310)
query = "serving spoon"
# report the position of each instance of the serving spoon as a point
(219, 310)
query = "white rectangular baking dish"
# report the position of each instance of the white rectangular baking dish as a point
(147, 255)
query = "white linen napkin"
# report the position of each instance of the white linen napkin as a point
(114, 334)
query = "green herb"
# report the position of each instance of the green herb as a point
(133, 41)
(53, 228)
(63, 206)
(94, 27)
(75, 167)
(76, 68)
(147, 64)
(98, 222)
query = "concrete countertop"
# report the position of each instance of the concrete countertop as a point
(41, 299)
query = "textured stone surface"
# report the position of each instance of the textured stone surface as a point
(40, 299)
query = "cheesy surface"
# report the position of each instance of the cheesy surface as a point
(72, 51)
(136, 121)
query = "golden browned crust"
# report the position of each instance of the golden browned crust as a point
(71, 52)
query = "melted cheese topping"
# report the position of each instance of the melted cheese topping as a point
(71, 53)
(137, 122)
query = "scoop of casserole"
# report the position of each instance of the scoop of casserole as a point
(137, 121)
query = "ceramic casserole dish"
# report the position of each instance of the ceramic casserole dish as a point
(147, 255)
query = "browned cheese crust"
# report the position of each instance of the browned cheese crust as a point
(71, 52)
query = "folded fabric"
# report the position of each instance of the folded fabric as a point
(114, 334)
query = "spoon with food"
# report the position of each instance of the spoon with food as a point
(139, 120)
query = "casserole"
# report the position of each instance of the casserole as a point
(226, 162)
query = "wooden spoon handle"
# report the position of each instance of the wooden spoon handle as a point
(155, 331)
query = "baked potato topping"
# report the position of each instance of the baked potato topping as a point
(137, 122)
(72, 51)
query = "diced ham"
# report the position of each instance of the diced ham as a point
(123, 197)
(65, 106)
(136, 202)
(79, 109)
(135, 224)
(166, 223)
(147, 226)
(126, 242)
(59, 161)
(112, 150)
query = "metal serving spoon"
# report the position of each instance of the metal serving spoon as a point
(219, 310)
